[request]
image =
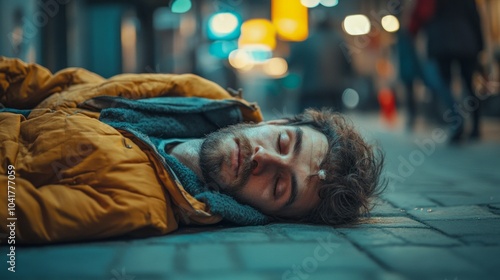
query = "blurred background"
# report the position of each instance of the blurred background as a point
(285, 54)
(409, 73)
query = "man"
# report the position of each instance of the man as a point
(90, 163)
(313, 167)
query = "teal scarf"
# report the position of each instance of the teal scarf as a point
(156, 120)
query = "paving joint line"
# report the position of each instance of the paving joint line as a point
(440, 231)
(369, 254)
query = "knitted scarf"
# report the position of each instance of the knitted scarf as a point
(155, 120)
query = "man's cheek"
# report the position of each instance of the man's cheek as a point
(223, 180)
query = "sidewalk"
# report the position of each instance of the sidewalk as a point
(438, 219)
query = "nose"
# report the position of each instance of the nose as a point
(263, 160)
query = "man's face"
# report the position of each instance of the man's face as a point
(267, 166)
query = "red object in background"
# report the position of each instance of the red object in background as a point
(422, 12)
(387, 103)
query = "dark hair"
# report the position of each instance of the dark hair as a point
(352, 168)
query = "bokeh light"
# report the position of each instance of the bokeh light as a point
(275, 67)
(356, 25)
(222, 49)
(329, 3)
(222, 25)
(258, 33)
(290, 18)
(181, 6)
(309, 3)
(390, 23)
(350, 98)
(258, 54)
(240, 59)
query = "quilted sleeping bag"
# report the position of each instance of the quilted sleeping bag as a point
(77, 178)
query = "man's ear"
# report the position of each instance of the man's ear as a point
(277, 122)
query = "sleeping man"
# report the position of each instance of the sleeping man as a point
(138, 154)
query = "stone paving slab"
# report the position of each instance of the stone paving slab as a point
(317, 275)
(221, 276)
(455, 199)
(214, 236)
(372, 236)
(311, 233)
(384, 208)
(452, 213)
(426, 262)
(485, 257)
(423, 236)
(409, 200)
(62, 261)
(468, 227)
(387, 222)
(139, 260)
(481, 239)
(209, 258)
(305, 257)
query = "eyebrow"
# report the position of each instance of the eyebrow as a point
(297, 147)
(293, 196)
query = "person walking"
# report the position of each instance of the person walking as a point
(454, 35)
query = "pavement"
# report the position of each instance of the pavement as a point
(439, 218)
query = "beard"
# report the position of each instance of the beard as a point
(213, 157)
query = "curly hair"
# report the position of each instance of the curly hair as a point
(352, 168)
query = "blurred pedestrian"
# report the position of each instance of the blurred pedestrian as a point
(409, 70)
(454, 35)
(414, 65)
(323, 66)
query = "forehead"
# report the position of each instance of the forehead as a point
(315, 144)
(315, 148)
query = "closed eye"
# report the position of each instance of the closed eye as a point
(278, 144)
